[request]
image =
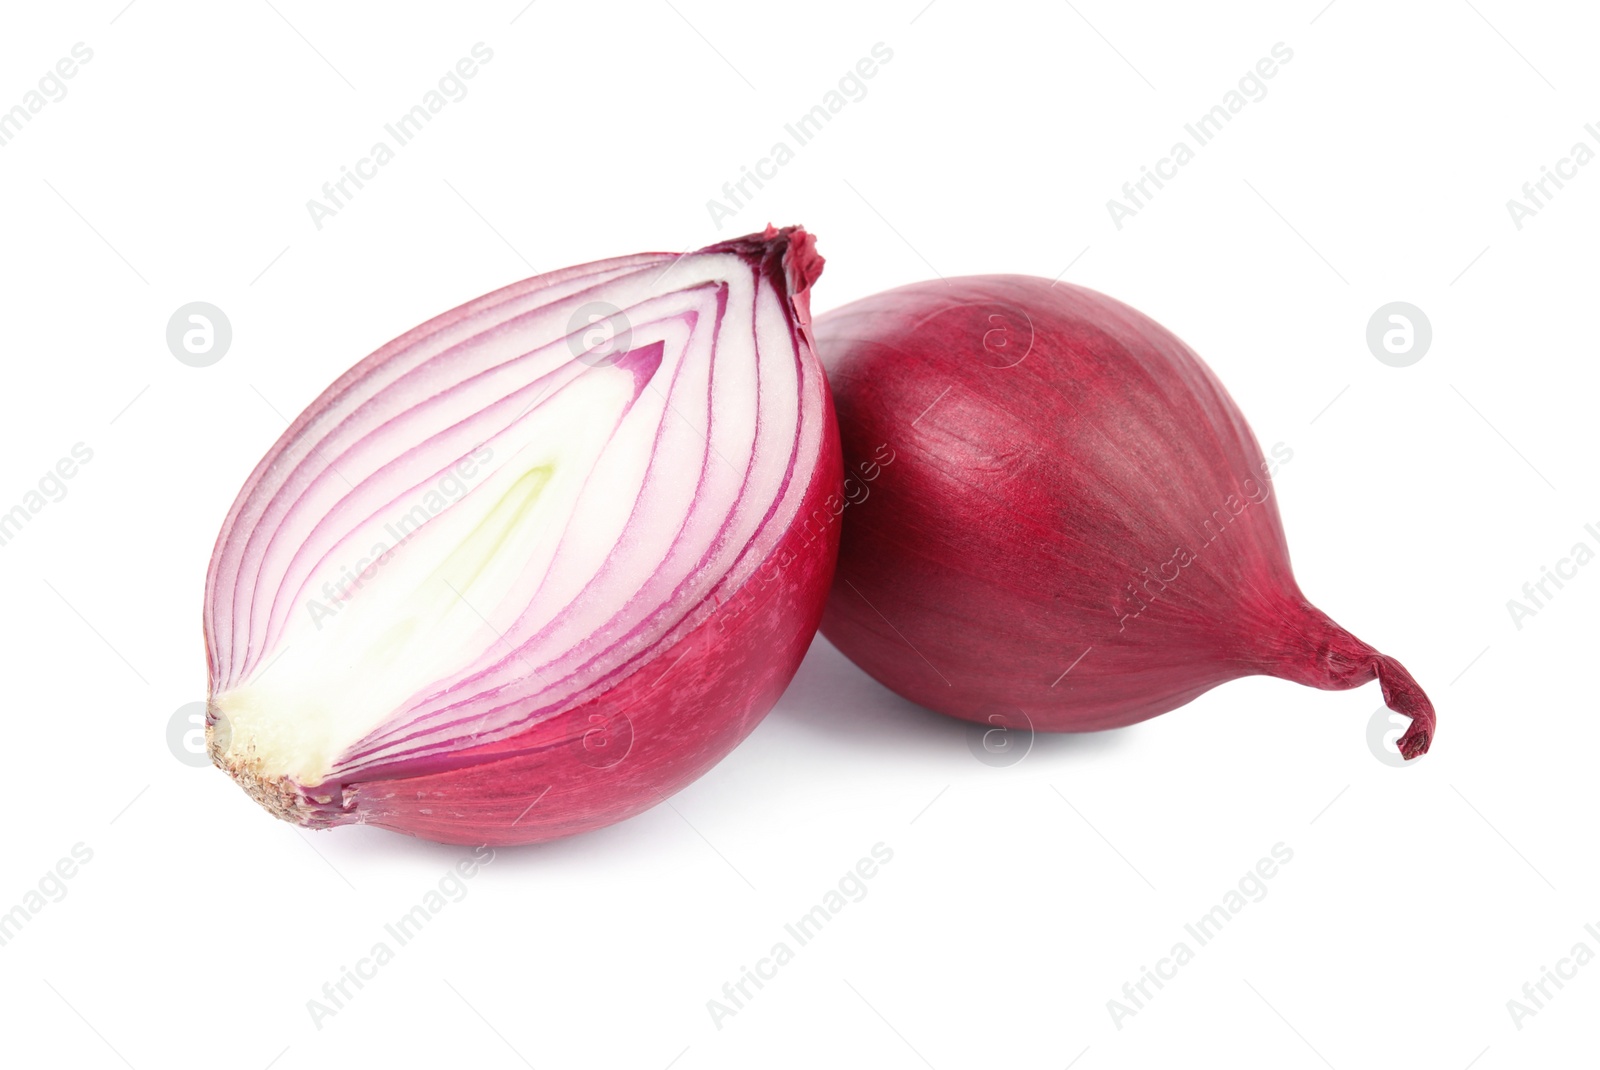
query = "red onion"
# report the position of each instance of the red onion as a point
(538, 563)
(1078, 530)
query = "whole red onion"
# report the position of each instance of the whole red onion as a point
(1077, 529)
(538, 563)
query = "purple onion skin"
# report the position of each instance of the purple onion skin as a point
(1078, 530)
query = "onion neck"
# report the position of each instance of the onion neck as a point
(1313, 650)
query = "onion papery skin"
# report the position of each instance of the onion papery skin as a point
(1077, 530)
(562, 682)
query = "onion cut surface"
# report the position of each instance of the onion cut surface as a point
(1077, 530)
(537, 563)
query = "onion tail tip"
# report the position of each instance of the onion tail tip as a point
(786, 255)
(1402, 694)
(1324, 655)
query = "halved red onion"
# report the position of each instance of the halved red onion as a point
(538, 563)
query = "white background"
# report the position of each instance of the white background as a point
(1020, 899)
